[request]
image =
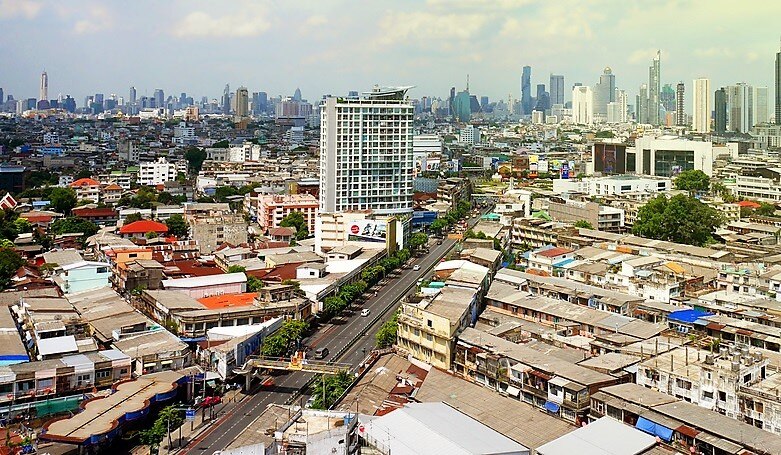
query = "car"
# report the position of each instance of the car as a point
(365, 312)
(416, 267)
(310, 402)
(439, 242)
(210, 401)
(321, 353)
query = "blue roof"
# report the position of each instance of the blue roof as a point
(564, 262)
(687, 316)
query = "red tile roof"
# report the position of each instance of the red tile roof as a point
(95, 213)
(553, 252)
(228, 300)
(750, 204)
(142, 227)
(85, 182)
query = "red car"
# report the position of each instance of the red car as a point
(210, 401)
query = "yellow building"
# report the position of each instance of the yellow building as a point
(429, 325)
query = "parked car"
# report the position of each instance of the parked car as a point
(210, 401)
(365, 312)
(321, 353)
(310, 402)
(416, 267)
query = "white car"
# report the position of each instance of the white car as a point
(416, 267)
(365, 312)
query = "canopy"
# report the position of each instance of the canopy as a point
(655, 429)
(551, 406)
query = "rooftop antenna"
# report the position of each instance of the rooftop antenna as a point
(467, 82)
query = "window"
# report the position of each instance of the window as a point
(123, 371)
(707, 395)
(430, 323)
(102, 374)
(102, 270)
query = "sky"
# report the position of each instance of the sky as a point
(333, 46)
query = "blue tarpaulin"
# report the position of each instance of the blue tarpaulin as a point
(655, 429)
(551, 406)
(687, 316)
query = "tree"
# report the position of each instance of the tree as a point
(680, 219)
(329, 389)
(274, 346)
(177, 226)
(438, 225)
(254, 284)
(296, 220)
(73, 225)
(195, 158)
(296, 284)
(133, 217)
(417, 240)
(236, 269)
(583, 224)
(694, 181)
(278, 344)
(605, 135)
(765, 209)
(151, 235)
(386, 336)
(62, 200)
(10, 261)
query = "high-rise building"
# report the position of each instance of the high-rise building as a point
(654, 88)
(159, 96)
(462, 106)
(667, 98)
(483, 103)
(720, 108)
(526, 91)
(44, 91)
(617, 110)
(583, 105)
(557, 89)
(604, 93)
(642, 105)
(2, 99)
(778, 87)
(242, 102)
(226, 100)
(739, 103)
(358, 169)
(680, 113)
(542, 102)
(701, 111)
(132, 96)
(759, 106)
(297, 95)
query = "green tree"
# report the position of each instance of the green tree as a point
(296, 284)
(438, 225)
(62, 200)
(274, 346)
(605, 135)
(332, 306)
(151, 235)
(386, 336)
(289, 334)
(417, 240)
(694, 181)
(254, 284)
(329, 389)
(293, 330)
(133, 217)
(195, 158)
(680, 219)
(10, 261)
(583, 224)
(73, 225)
(765, 209)
(9, 229)
(296, 220)
(236, 269)
(177, 226)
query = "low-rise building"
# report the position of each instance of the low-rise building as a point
(271, 209)
(82, 276)
(211, 232)
(206, 286)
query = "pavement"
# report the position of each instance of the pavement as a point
(337, 337)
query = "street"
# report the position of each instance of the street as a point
(333, 336)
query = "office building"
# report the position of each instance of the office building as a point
(680, 114)
(557, 89)
(156, 172)
(654, 89)
(583, 105)
(44, 91)
(778, 87)
(667, 98)
(759, 105)
(366, 160)
(739, 101)
(720, 108)
(462, 106)
(526, 91)
(642, 105)
(242, 102)
(701, 105)
(159, 98)
(469, 134)
(617, 110)
(226, 100)
(604, 93)
(667, 156)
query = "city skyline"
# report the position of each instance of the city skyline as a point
(438, 44)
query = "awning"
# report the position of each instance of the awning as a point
(652, 428)
(513, 391)
(559, 381)
(551, 407)
(540, 375)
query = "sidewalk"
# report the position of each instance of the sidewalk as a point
(191, 430)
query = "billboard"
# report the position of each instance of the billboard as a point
(367, 230)
(609, 158)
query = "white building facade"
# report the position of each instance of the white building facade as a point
(156, 172)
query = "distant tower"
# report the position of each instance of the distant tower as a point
(680, 115)
(226, 100)
(297, 95)
(702, 106)
(242, 102)
(557, 89)
(44, 92)
(720, 106)
(132, 95)
(654, 88)
(526, 90)
(778, 87)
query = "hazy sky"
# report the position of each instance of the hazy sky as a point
(332, 46)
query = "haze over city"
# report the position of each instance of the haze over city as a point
(335, 46)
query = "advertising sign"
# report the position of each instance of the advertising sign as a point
(367, 231)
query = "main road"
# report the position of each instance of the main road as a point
(336, 337)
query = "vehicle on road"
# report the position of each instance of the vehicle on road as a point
(439, 242)
(309, 402)
(365, 312)
(416, 267)
(210, 401)
(321, 353)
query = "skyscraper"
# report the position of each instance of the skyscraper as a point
(702, 106)
(556, 89)
(642, 105)
(526, 90)
(462, 106)
(654, 88)
(720, 108)
(359, 170)
(582, 105)
(132, 95)
(542, 103)
(667, 98)
(739, 103)
(759, 105)
(242, 102)
(680, 114)
(778, 87)
(297, 95)
(604, 93)
(226, 100)
(44, 91)
(617, 110)
(159, 97)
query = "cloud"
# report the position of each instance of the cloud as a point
(19, 8)
(199, 24)
(314, 21)
(641, 56)
(419, 27)
(99, 19)
(718, 52)
(480, 4)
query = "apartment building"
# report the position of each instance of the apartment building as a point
(271, 209)
(156, 172)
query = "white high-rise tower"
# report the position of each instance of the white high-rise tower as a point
(43, 94)
(702, 105)
(582, 105)
(366, 160)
